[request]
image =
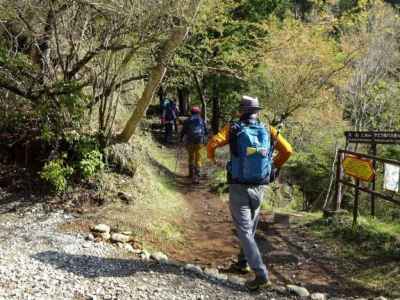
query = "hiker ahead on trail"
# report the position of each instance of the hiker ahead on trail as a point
(250, 168)
(168, 118)
(194, 135)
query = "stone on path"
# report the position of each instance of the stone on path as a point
(234, 279)
(145, 255)
(105, 235)
(298, 290)
(280, 289)
(101, 228)
(91, 237)
(318, 296)
(211, 271)
(128, 247)
(159, 256)
(193, 268)
(121, 238)
(215, 274)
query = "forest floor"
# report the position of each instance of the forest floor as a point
(40, 259)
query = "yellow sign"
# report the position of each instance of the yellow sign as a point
(358, 168)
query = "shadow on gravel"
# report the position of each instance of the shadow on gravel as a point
(93, 266)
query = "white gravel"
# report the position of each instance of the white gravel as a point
(37, 261)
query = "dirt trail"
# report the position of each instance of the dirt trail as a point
(209, 237)
(291, 254)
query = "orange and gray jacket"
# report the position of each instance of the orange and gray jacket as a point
(283, 147)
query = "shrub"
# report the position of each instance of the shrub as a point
(91, 163)
(56, 173)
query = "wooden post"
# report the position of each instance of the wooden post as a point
(355, 206)
(338, 186)
(374, 180)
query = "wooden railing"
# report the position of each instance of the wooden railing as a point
(342, 179)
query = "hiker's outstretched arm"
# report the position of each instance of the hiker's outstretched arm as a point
(283, 147)
(218, 140)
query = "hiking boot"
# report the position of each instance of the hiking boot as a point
(257, 283)
(242, 268)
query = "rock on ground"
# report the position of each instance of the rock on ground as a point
(318, 296)
(120, 238)
(298, 290)
(101, 228)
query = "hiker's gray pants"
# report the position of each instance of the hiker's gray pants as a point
(244, 203)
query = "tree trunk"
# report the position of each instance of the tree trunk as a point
(216, 108)
(183, 99)
(156, 76)
(201, 96)
(161, 97)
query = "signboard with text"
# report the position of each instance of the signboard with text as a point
(359, 168)
(373, 137)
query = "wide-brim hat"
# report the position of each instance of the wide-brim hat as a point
(249, 104)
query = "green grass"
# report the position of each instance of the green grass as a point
(369, 251)
(157, 207)
(370, 237)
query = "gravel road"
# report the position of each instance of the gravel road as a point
(38, 261)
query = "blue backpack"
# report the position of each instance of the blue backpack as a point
(251, 154)
(195, 130)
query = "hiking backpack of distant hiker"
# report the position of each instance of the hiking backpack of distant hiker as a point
(195, 130)
(251, 153)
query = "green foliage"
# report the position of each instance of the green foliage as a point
(84, 159)
(391, 152)
(310, 171)
(56, 172)
(19, 61)
(258, 10)
(370, 237)
(91, 163)
(85, 154)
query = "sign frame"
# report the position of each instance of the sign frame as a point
(373, 137)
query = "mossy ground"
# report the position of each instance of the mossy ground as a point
(156, 209)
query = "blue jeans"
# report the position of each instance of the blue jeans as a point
(244, 204)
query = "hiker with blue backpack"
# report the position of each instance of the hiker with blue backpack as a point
(194, 135)
(169, 119)
(251, 167)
